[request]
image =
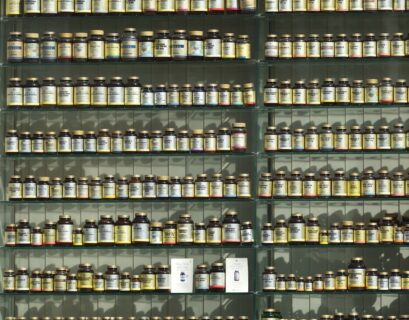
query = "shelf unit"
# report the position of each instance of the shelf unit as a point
(256, 70)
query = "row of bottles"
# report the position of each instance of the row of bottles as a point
(326, 184)
(116, 92)
(79, 141)
(356, 277)
(123, 231)
(123, 188)
(127, 7)
(130, 46)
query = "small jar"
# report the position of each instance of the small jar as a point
(185, 230)
(148, 278)
(85, 276)
(201, 278)
(123, 230)
(217, 279)
(356, 274)
(111, 277)
(155, 233)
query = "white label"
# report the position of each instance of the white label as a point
(64, 233)
(296, 232)
(90, 235)
(212, 48)
(116, 95)
(202, 281)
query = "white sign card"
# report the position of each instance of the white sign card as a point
(181, 275)
(237, 275)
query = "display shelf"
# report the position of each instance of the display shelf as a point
(346, 14)
(127, 155)
(131, 247)
(328, 293)
(333, 199)
(114, 294)
(135, 62)
(305, 246)
(331, 152)
(340, 61)
(139, 16)
(77, 201)
(362, 106)
(131, 109)
(207, 246)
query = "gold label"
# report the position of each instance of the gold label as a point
(147, 282)
(12, 7)
(312, 233)
(280, 235)
(84, 280)
(341, 283)
(354, 188)
(359, 236)
(123, 234)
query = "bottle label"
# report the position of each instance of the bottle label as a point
(148, 282)
(132, 96)
(265, 188)
(14, 96)
(106, 233)
(116, 96)
(270, 142)
(217, 280)
(123, 234)
(31, 96)
(247, 235)
(135, 190)
(29, 190)
(269, 281)
(65, 96)
(117, 6)
(99, 96)
(195, 48)
(133, 6)
(140, 232)
(162, 48)
(64, 233)
(202, 281)
(179, 48)
(155, 237)
(22, 283)
(214, 235)
(271, 5)
(185, 233)
(296, 232)
(147, 99)
(271, 49)
(231, 233)
(129, 49)
(163, 281)
(169, 236)
(356, 278)
(216, 189)
(90, 235)
(82, 95)
(212, 48)
(83, 6)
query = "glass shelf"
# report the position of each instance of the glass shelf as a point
(136, 62)
(113, 201)
(346, 14)
(334, 61)
(154, 16)
(128, 293)
(332, 246)
(315, 293)
(126, 155)
(330, 107)
(333, 199)
(132, 247)
(332, 152)
(131, 109)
